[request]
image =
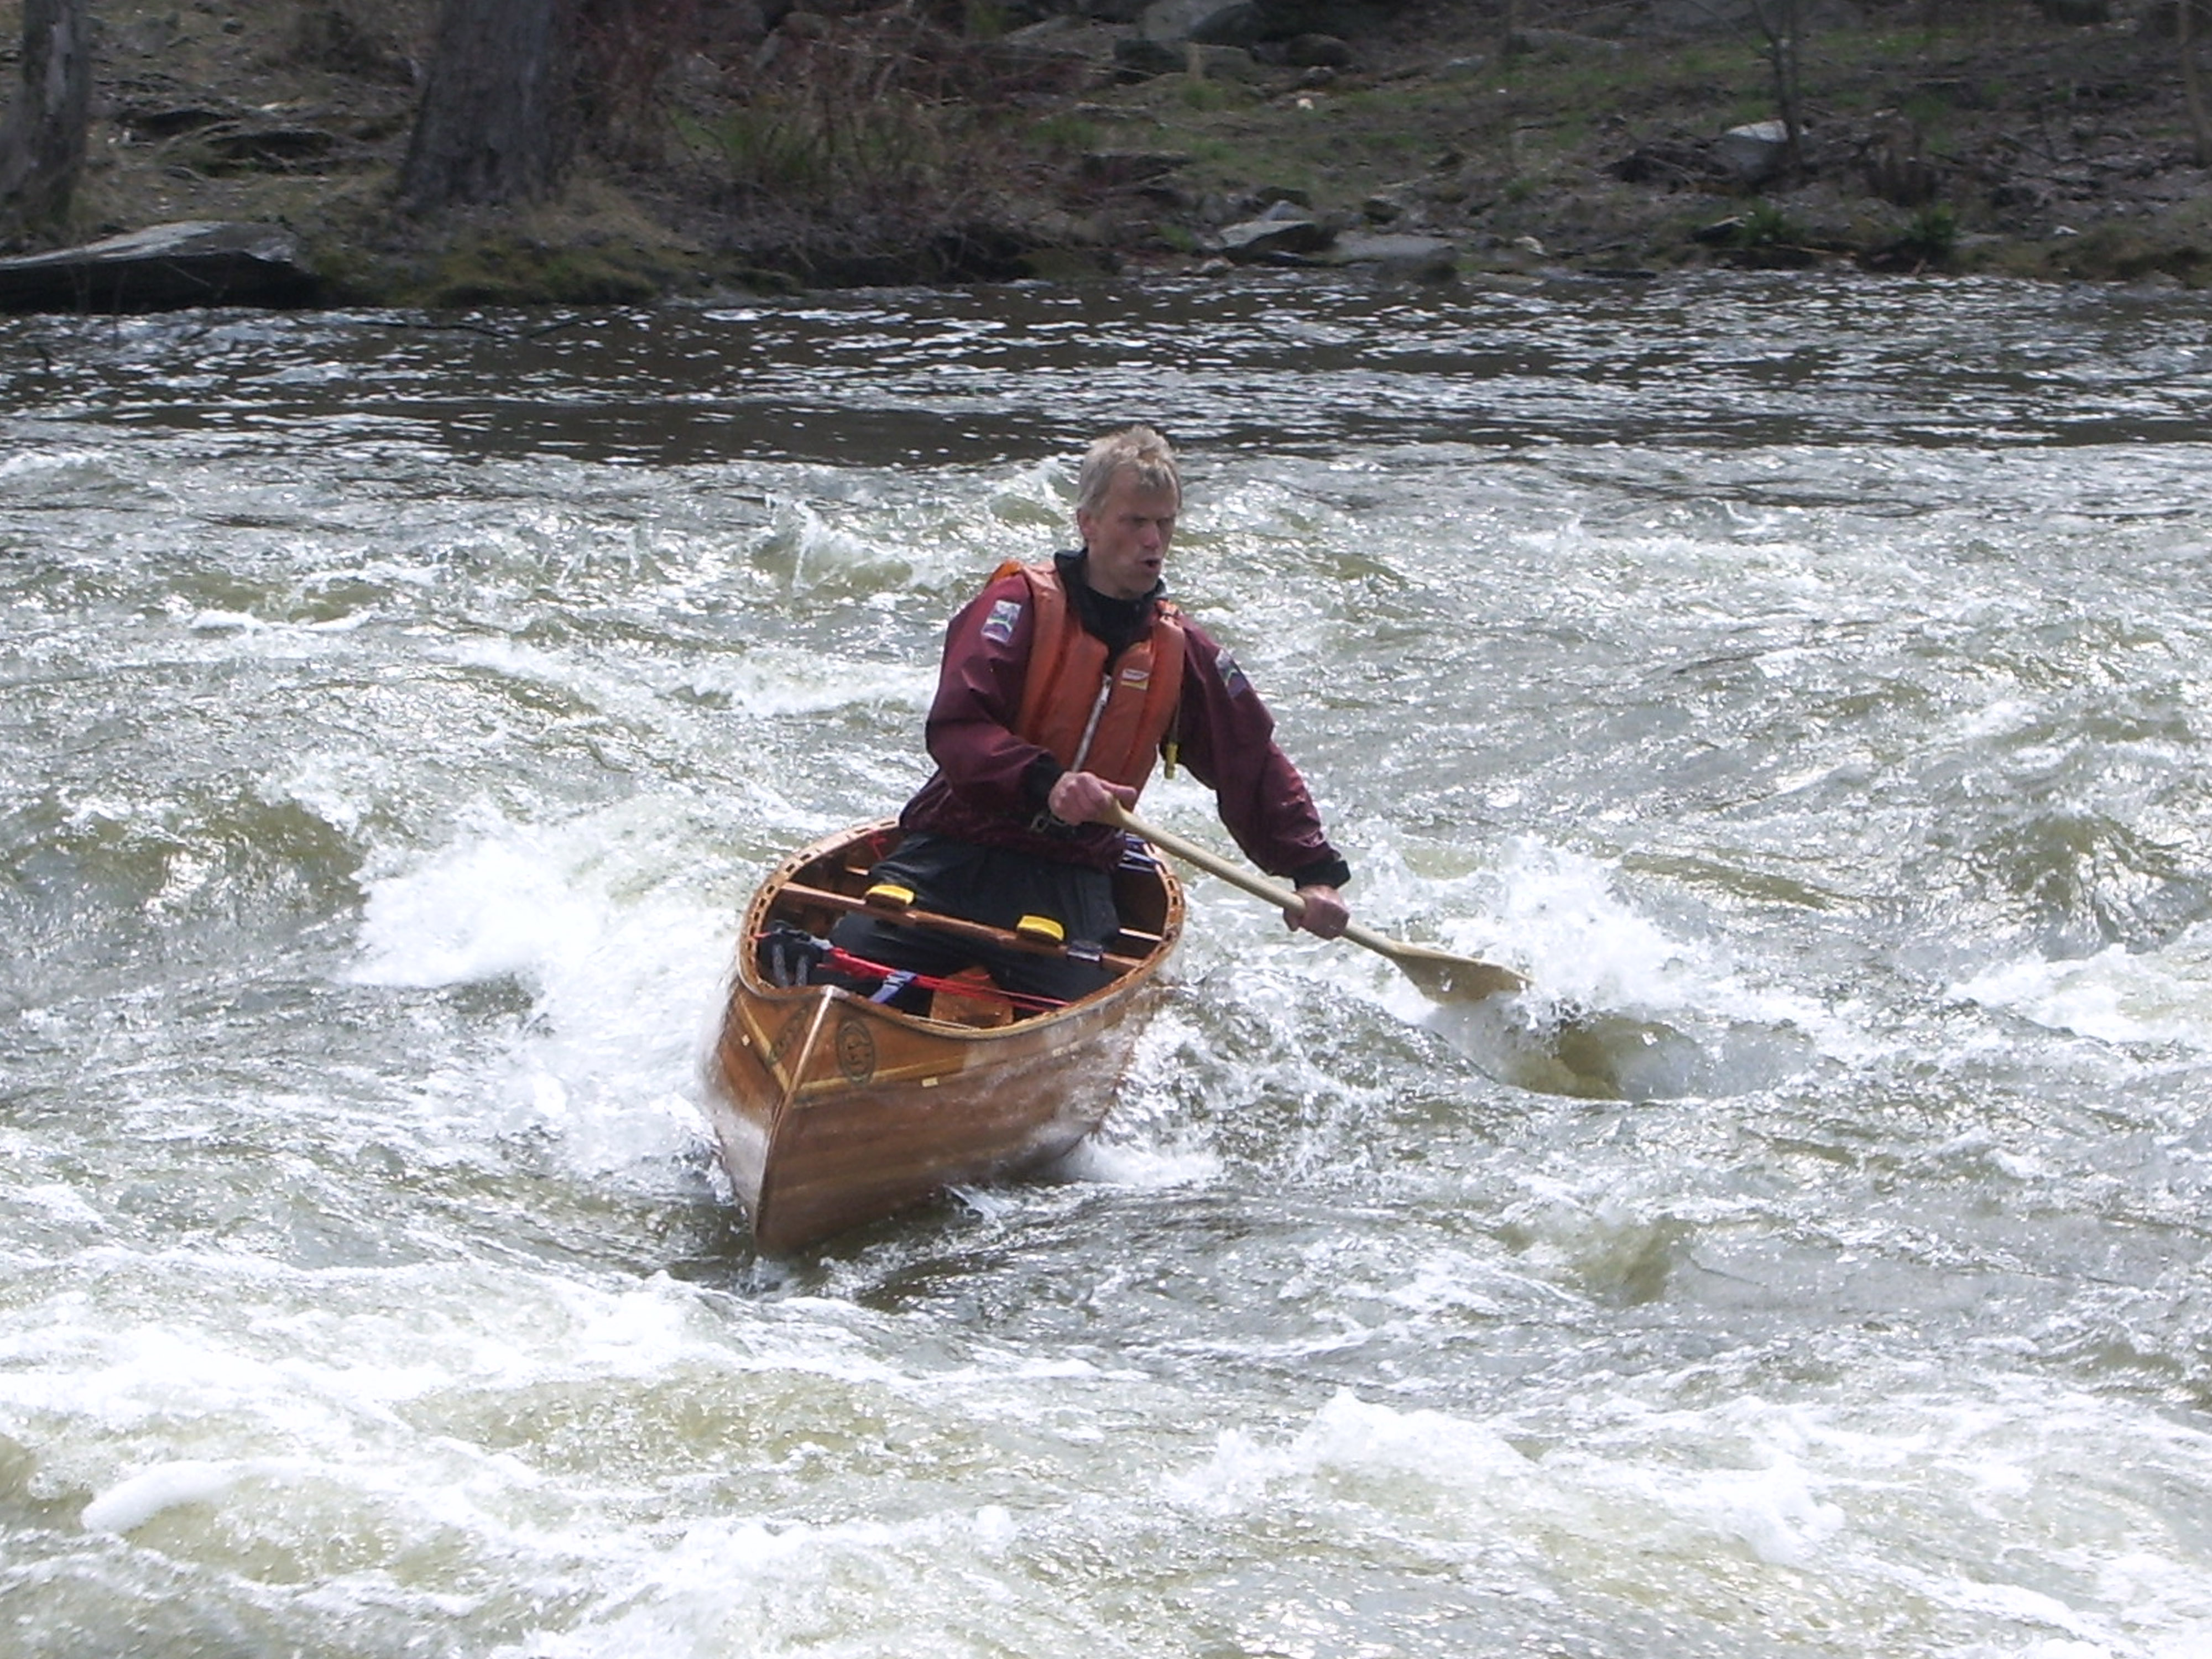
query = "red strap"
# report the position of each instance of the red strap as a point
(845, 960)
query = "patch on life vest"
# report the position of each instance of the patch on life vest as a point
(999, 626)
(1139, 677)
(1232, 677)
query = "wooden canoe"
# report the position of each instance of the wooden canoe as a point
(833, 1111)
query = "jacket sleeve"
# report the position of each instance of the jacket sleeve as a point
(1228, 741)
(969, 731)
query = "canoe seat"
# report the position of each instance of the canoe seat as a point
(978, 1002)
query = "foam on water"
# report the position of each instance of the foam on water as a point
(399, 763)
(504, 901)
(1680, 1013)
(1145, 1143)
(1109, 1160)
(2162, 995)
(600, 919)
(1780, 1519)
(1787, 1517)
(130, 1504)
(773, 681)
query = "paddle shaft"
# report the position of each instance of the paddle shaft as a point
(1436, 969)
(1236, 875)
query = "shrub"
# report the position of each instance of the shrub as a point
(1767, 226)
(880, 137)
(1932, 237)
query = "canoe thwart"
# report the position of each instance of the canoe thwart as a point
(801, 896)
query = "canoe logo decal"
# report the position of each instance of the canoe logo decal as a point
(856, 1051)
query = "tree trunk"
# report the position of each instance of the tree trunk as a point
(2192, 83)
(497, 119)
(42, 145)
(1782, 23)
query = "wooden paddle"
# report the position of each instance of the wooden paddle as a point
(1572, 1051)
(1441, 976)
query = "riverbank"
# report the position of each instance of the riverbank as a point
(872, 147)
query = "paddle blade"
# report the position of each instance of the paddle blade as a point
(1441, 976)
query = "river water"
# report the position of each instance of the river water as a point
(396, 717)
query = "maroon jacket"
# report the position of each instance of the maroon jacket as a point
(990, 785)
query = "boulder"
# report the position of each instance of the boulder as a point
(149, 124)
(1139, 56)
(1276, 234)
(1701, 16)
(1678, 18)
(1754, 153)
(1317, 51)
(1414, 259)
(1204, 22)
(1204, 63)
(272, 149)
(164, 268)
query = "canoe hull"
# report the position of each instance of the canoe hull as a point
(833, 1111)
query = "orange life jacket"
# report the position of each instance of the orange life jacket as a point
(1071, 709)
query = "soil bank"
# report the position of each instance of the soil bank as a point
(1998, 141)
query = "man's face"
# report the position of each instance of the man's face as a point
(1128, 537)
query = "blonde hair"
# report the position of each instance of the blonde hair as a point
(1136, 449)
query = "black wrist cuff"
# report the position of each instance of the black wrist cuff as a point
(1037, 782)
(1331, 871)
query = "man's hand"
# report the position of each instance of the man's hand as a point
(1082, 798)
(1326, 915)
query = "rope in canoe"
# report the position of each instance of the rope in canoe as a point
(898, 979)
(791, 954)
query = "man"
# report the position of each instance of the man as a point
(1061, 684)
